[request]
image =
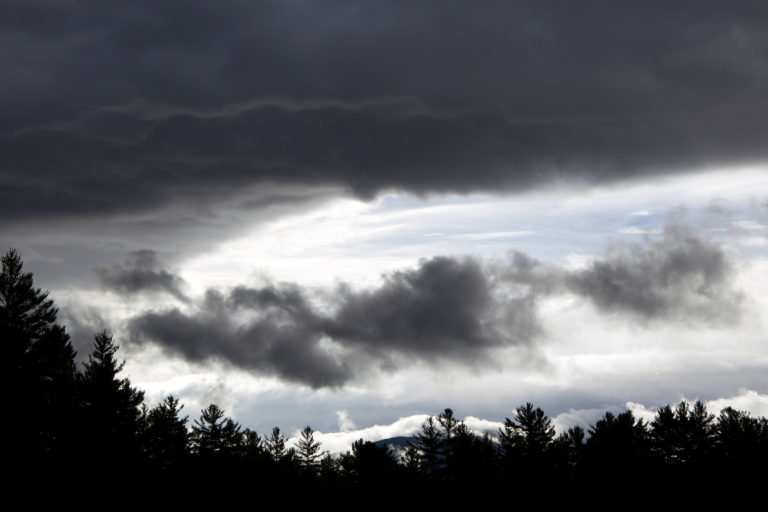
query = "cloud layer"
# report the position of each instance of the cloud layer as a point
(444, 309)
(148, 106)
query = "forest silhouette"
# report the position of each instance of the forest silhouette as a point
(89, 429)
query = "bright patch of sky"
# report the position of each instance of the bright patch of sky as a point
(357, 241)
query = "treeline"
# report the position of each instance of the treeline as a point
(75, 429)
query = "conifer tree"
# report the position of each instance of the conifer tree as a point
(166, 433)
(411, 459)
(275, 445)
(529, 435)
(448, 423)
(252, 444)
(329, 468)
(617, 444)
(429, 444)
(308, 450)
(369, 464)
(682, 434)
(23, 308)
(112, 406)
(40, 361)
(34, 344)
(215, 434)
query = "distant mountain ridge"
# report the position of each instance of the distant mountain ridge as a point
(397, 445)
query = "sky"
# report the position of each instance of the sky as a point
(352, 214)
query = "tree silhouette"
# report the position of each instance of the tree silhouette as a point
(569, 448)
(275, 445)
(429, 447)
(308, 450)
(40, 362)
(682, 434)
(112, 408)
(525, 441)
(740, 438)
(468, 458)
(618, 436)
(411, 459)
(25, 311)
(616, 454)
(213, 434)
(166, 433)
(252, 445)
(329, 469)
(448, 425)
(369, 463)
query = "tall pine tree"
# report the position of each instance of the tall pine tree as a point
(308, 450)
(112, 407)
(40, 363)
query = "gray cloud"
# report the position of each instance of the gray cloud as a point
(141, 272)
(274, 343)
(154, 105)
(674, 275)
(444, 309)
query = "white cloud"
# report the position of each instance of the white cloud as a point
(339, 442)
(747, 400)
(634, 230)
(345, 422)
(750, 225)
(492, 235)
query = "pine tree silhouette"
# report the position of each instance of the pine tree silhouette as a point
(275, 445)
(40, 362)
(166, 433)
(112, 408)
(525, 441)
(213, 434)
(308, 450)
(429, 445)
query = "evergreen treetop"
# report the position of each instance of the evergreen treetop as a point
(530, 433)
(307, 449)
(22, 306)
(213, 433)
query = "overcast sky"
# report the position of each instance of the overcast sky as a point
(354, 213)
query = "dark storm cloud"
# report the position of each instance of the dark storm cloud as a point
(275, 343)
(444, 309)
(141, 272)
(148, 105)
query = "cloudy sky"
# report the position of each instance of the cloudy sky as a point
(354, 213)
